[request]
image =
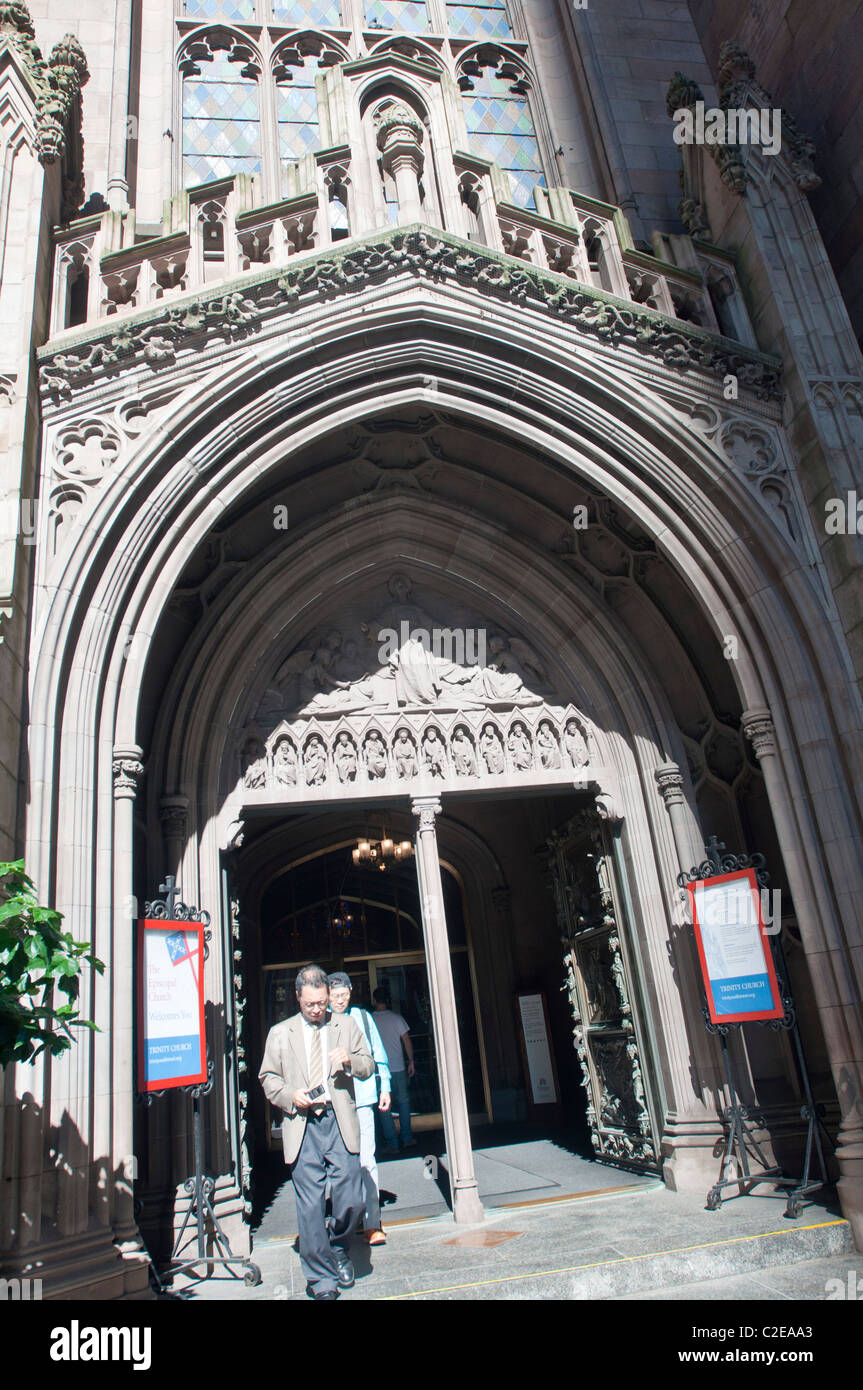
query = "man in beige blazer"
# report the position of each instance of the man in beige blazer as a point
(320, 1134)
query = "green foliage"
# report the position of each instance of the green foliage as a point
(36, 959)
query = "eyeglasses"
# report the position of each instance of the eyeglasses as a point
(337, 996)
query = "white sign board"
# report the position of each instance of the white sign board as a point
(539, 1065)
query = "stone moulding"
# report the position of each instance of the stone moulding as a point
(245, 304)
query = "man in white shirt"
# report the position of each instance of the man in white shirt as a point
(396, 1036)
(308, 1070)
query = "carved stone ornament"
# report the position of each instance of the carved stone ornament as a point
(739, 89)
(58, 81)
(400, 702)
(760, 730)
(128, 771)
(159, 336)
(425, 811)
(669, 780)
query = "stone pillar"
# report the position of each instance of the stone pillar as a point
(466, 1204)
(128, 770)
(831, 970)
(400, 134)
(691, 1127)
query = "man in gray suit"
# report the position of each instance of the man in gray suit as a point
(320, 1132)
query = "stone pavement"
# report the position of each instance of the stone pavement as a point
(641, 1242)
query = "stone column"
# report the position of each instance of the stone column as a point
(831, 971)
(466, 1204)
(400, 134)
(128, 770)
(691, 1127)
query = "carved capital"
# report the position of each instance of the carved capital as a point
(669, 780)
(173, 811)
(128, 771)
(759, 728)
(425, 808)
(502, 900)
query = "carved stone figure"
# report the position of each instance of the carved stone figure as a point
(345, 759)
(575, 745)
(546, 742)
(434, 753)
(375, 755)
(491, 749)
(256, 774)
(404, 755)
(285, 764)
(463, 756)
(315, 762)
(518, 744)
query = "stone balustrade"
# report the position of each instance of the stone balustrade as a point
(215, 233)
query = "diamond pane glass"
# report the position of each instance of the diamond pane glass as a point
(297, 111)
(323, 14)
(478, 21)
(221, 122)
(501, 129)
(407, 16)
(240, 11)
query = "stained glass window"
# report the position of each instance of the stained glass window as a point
(237, 11)
(221, 122)
(500, 128)
(485, 21)
(320, 14)
(297, 110)
(408, 16)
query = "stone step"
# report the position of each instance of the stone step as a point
(672, 1267)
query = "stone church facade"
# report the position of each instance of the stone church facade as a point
(407, 441)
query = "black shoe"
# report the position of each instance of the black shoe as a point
(323, 1296)
(346, 1276)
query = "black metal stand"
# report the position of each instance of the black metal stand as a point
(740, 1140)
(200, 1187)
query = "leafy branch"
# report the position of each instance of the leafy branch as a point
(37, 958)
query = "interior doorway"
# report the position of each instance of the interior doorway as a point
(325, 909)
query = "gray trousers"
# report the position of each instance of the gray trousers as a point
(323, 1160)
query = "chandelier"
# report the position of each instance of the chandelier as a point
(382, 854)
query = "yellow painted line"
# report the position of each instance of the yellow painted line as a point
(605, 1264)
(573, 1196)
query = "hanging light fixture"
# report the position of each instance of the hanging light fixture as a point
(382, 853)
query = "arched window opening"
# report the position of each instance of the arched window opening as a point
(500, 125)
(487, 20)
(79, 289)
(468, 187)
(211, 219)
(221, 110)
(408, 16)
(340, 222)
(594, 249)
(297, 105)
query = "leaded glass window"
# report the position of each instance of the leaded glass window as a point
(407, 16)
(319, 14)
(297, 110)
(485, 21)
(500, 127)
(221, 122)
(235, 11)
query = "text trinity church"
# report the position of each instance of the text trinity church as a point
(431, 439)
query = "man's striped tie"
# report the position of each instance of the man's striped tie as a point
(316, 1063)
